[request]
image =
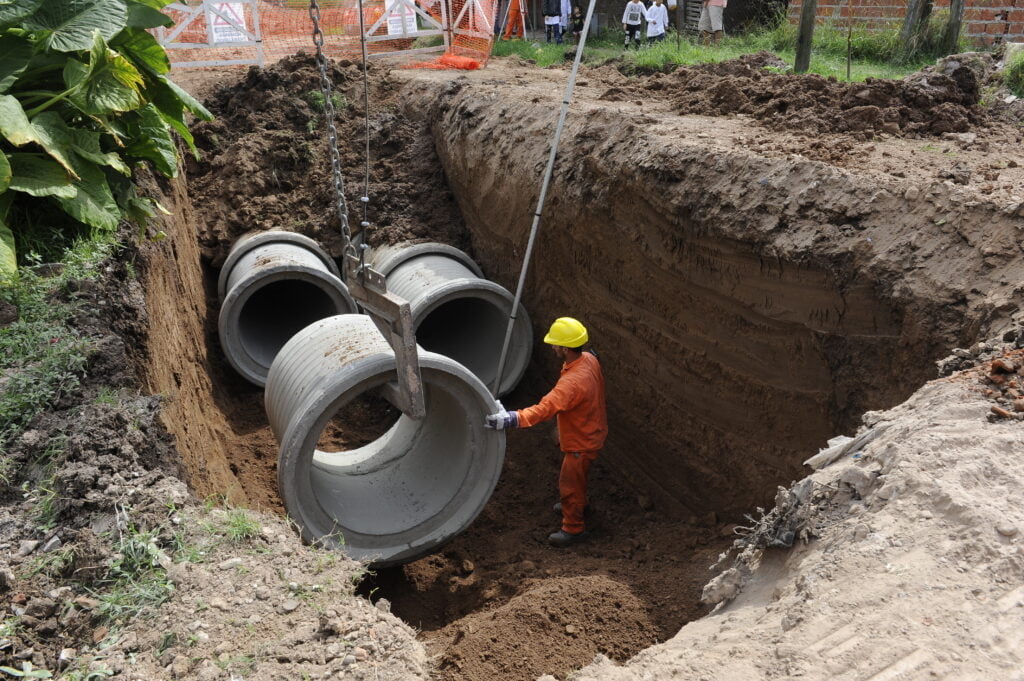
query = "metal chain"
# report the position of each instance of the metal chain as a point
(332, 131)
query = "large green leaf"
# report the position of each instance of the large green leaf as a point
(152, 141)
(85, 143)
(15, 126)
(39, 176)
(5, 172)
(190, 102)
(172, 107)
(108, 84)
(8, 256)
(93, 203)
(69, 25)
(144, 16)
(13, 10)
(17, 53)
(144, 49)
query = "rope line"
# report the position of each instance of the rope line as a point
(566, 99)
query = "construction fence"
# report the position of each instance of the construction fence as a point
(215, 32)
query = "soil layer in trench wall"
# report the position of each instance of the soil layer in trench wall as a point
(745, 308)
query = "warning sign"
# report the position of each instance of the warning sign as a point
(227, 23)
(401, 17)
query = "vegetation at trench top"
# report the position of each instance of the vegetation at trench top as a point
(876, 54)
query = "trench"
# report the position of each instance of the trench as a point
(729, 356)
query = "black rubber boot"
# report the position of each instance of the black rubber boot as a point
(562, 539)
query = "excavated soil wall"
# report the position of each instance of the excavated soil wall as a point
(746, 304)
(745, 308)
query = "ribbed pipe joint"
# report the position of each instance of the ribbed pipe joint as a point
(456, 312)
(272, 285)
(406, 493)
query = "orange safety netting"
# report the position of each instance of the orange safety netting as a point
(263, 31)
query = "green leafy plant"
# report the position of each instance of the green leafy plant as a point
(84, 97)
(136, 580)
(1013, 73)
(27, 671)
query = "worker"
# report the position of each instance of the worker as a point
(577, 400)
(514, 22)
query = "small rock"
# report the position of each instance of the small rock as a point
(361, 654)
(222, 648)
(290, 605)
(263, 593)
(860, 531)
(52, 544)
(570, 629)
(230, 564)
(8, 313)
(1004, 365)
(1018, 405)
(66, 657)
(349, 660)
(912, 194)
(219, 604)
(40, 607)
(180, 667)
(208, 671)
(99, 633)
(383, 604)
(27, 546)
(1000, 412)
(1006, 529)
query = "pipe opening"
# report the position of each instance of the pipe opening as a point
(276, 312)
(357, 424)
(471, 330)
(410, 478)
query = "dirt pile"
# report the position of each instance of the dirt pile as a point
(924, 104)
(264, 163)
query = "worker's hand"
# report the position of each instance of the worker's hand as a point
(502, 420)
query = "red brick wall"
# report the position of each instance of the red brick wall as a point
(985, 21)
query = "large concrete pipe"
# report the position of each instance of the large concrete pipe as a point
(272, 285)
(406, 493)
(457, 312)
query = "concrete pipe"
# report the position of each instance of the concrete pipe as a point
(457, 312)
(272, 285)
(406, 493)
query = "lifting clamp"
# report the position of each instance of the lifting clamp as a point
(368, 287)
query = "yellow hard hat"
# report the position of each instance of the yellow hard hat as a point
(567, 332)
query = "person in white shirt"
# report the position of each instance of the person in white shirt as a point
(566, 15)
(632, 19)
(552, 11)
(657, 20)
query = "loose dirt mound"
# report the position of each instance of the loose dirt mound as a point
(264, 163)
(941, 99)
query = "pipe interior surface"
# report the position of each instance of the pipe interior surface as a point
(471, 331)
(276, 312)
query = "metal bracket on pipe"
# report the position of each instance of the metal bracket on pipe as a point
(393, 317)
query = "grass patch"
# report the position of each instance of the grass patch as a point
(875, 54)
(41, 356)
(135, 581)
(1013, 74)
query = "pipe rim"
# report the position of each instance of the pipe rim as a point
(252, 240)
(502, 299)
(393, 256)
(234, 349)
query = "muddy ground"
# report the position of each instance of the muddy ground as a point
(776, 274)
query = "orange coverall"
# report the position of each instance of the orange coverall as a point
(578, 401)
(514, 24)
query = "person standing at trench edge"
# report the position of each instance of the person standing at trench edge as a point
(577, 400)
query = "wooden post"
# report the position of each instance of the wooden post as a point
(806, 34)
(956, 17)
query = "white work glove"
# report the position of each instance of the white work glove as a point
(502, 419)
